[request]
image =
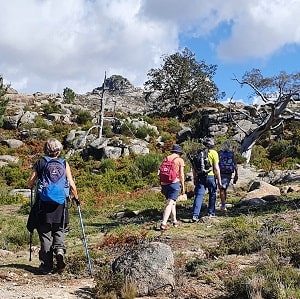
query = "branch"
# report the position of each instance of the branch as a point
(291, 112)
(280, 123)
(254, 88)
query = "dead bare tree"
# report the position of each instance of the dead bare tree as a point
(275, 94)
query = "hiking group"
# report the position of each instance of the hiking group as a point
(212, 171)
(51, 181)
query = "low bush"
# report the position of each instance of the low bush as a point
(108, 284)
(14, 235)
(268, 279)
(51, 108)
(144, 131)
(83, 117)
(148, 164)
(124, 236)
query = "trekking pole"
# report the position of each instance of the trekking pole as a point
(31, 233)
(84, 239)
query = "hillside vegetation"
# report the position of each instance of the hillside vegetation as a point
(248, 252)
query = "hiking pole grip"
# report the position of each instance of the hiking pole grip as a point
(77, 201)
(84, 239)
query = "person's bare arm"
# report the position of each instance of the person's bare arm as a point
(182, 178)
(32, 179)
(71, 181)
(217, 173)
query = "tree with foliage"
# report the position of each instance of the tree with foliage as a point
(69, 95)
(275, 94)
(3, 100)
(180, 85)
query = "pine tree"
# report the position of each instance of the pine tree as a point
(181, 85)
(3, 100)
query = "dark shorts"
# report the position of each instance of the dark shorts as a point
(171, 191)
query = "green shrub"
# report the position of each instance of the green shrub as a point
(259, 158)
(76, 263)
(60, 130)
(268, 279)
(147, 119)
(144, 131)
(3, 100)
(69, 95)
(128, 129)
(14, 235)
(51, 108)
(166, 137)
(280, 150)
(120, 180)
(172, 126)
(108, 132)
(148, 164)
(240, 237)
(6, 199)
(108, 284)
(106, 164)
(14, 177)
(40, 123)
(83, 117)
(196, 266)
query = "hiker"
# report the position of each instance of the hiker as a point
(209, 181)
(171, 189)
(228, 166)
(52, 217)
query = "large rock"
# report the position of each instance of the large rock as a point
(12, 143)
(28, 117)
(150, 267)
(259, 189)
(9, 159)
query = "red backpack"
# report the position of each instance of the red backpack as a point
(167, 171)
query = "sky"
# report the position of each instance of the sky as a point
(48, 45)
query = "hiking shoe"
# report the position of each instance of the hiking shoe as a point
(164, 226)
(60, 260)
(44, 270)
(176, 224)
(195, 219)
(223, 208)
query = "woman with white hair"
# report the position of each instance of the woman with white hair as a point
(52, 216)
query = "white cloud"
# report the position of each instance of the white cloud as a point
(264, 28)
(47, 45)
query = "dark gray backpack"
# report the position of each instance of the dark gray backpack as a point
(200, 162)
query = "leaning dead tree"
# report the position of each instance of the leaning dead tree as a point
(275, 94)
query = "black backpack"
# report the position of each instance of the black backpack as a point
(200, 162)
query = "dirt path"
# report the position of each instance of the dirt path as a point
(19, 279)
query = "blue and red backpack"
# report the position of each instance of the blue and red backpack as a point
(226, 161)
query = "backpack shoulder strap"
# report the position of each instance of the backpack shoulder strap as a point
(62, 161)
(48, 159)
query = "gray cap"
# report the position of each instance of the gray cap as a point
(209, 142)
